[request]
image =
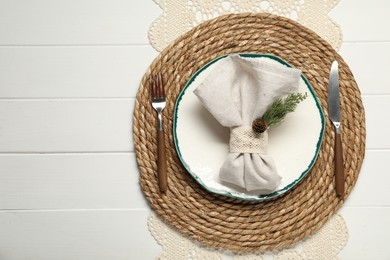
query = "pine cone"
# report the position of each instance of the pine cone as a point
(259, 125)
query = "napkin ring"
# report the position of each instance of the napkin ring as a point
(244, 140)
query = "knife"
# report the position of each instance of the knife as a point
(334, 115)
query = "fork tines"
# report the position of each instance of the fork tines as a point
(157, 86)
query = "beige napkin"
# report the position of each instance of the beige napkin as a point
(237, 91)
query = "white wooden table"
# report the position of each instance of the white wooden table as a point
(69, 72)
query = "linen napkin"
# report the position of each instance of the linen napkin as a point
(237, 91)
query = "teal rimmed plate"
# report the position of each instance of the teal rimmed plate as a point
(202, 143)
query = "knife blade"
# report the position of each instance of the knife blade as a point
(334, 115)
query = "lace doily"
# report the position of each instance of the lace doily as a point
(179, 16)
(325, 244)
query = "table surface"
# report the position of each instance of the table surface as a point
(69, 72)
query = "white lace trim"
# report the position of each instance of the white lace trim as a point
(179, 16)
(325, 244)
(244, 140)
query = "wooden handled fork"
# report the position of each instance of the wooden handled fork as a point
(158, 103)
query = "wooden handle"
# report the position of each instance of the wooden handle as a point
(339, 167)
(161, 162)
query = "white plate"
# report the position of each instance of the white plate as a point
(202, 143)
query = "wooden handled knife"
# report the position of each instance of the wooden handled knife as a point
(334, 115)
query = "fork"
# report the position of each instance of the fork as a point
(158, 103)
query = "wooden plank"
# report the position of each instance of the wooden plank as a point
(362, 21)
(41, 22)
(106, 125)
(123, 234)
(73, 72)
(70, 181)
(109, 181)
(369, 63)
(76, 235)
(373, 181)
(66, 125)
(368, 230)
(75, 181)
(75, 22)
(377, 108)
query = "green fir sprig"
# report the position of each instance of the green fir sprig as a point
(278, 110)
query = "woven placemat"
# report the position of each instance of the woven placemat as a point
(233, 224)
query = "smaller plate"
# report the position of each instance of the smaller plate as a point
(202, 143)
